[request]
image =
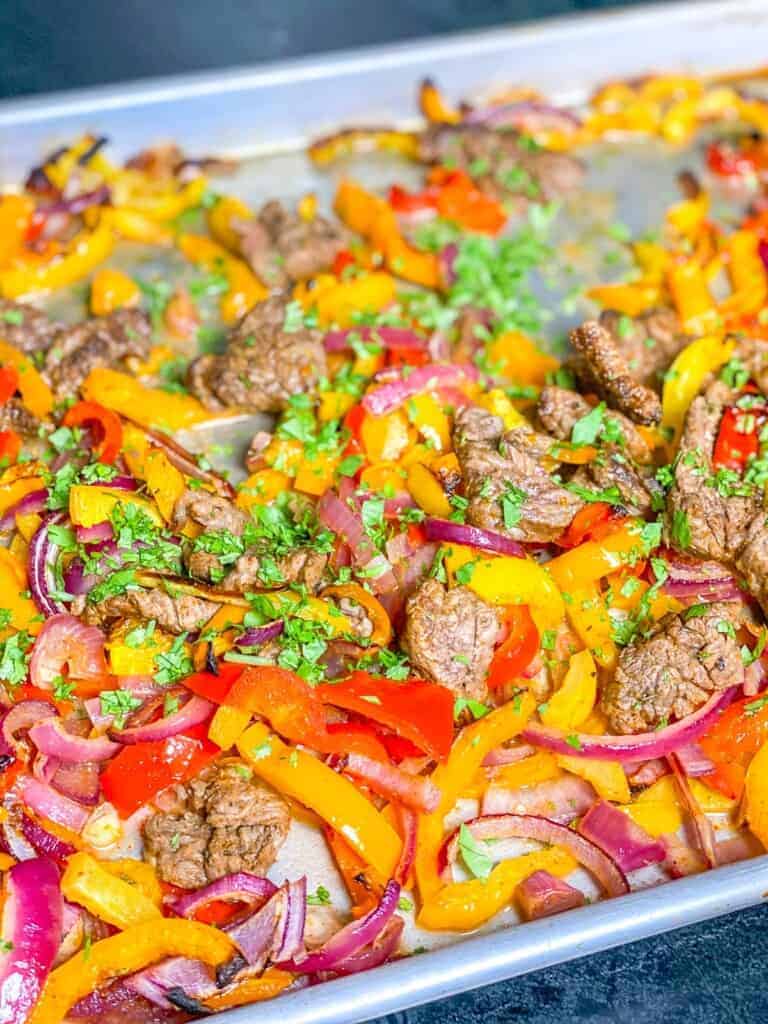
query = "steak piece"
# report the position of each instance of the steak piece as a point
(102, 341)
(500, 162)
(223, 822)
(508, 488)
(648, 342)
(282, 247)
(605, 368)
(27, 328)
(264, 364)
(14, 415)
(560, 409)
(675, 670)
(184, 613)
(450, 637)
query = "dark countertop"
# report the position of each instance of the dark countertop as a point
(713, 973)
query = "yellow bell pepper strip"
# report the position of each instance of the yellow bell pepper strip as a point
(317, 473)
(339, 302)
(501, 580)
(261, 487)
(109, 897)
(497, 402)
(253, 990)
(85, 252)
(167, 205)
(15, 214)
(433, 106)
(35, 393)
(89, 505)
(131, 659)
(136, 227)
(126, 953)
(227, 725)
(464, 761)
(220, 218)
(245, 289)
(588, 614)
(463, 906)
(594, 559)
(425, 490)
(520, 360)
(386, 437)
(111, 290)
(756, 795)
(336, 800)
(382, 627)
(630, 299)
(165, 483)
(14, 588)
(138, 874)
(539, 767)
(608, 777)
(13, 491)
(572, 704)
(363, 140)
(151, 407)
(688, 217)
(686, 375)
(426, 414)
(692, 298)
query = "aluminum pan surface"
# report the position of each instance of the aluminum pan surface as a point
(276, 108)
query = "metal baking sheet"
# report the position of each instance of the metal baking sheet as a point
(267, 114)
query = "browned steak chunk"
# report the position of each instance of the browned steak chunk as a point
(102, 341)
(282, 247)
(265, 363)
(450, 636)
(224, 822)
(675, 670)
(609, 372)
(14, 415)
(27, 328)
(648, 342)
(559, 410)
(184, 613)
(508, 488)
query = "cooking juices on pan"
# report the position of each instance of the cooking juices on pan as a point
(491, 619)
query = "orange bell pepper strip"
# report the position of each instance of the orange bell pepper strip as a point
(151, 407)
(10, 447)
(15, 214)
(594, 559)
(111, 290)
(756, 795)
(419, 711)
(108, 897)
(454, 776)
(356, 140)
(382, 627)
(732, 742)
(220, 218)
(252, 990)
(433, 106)
(334, 798)
(245, 289)
(364, 890)
(126, 953)
(84, 253)
(107, 424)
(630, 299)
(14, 588)
(692, 298)
(35, 393)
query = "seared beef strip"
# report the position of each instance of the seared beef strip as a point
(223, 822)
(102, 341)
(503, 470)
(609, 372)
(282, 247)
(675, 670)
(14, 415)
(500, 162)
(450, 636)
(27, 328)
(184, 613)
(264, 364)
(560, 409)
(648, 342)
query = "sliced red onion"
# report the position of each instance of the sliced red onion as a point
(526, 116)
(406, 576)
(94, 534)
(702, 826)
(43, 841)
(618, 836)
(500, 756)
(446, 261)
(119, 1002)
(432, 377)
(640, 747)
(351, 939)
(560, 800)
(446, 532)
(47, 803)
(647, 772)
(241, 886)
(122, 482)
(703, 592)
(409, 829)
(382, 950)
(78, 781)
(347, 524)
(694, 761)
(543, 895)
(256, 935)
(414, 791)
(290, 943)
(32, 503)
(52, 739)
(195, 711)
(387, 337)
(31, 930)
(41, 561)
(64, 641)
(259, 635)
(521, 826)
(22, 717)
(754, 678)
(80, 203)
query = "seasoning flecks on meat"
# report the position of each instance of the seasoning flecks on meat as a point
(559, 410)
(224, 822)
(14, 415)
(184, 613)
(27, 328)
(265, 362)
(675, 670)
(508, 488)
(101, 341)
(611, 375)
(282, 247)
(502, 163)
(648, 342)
(450, 637)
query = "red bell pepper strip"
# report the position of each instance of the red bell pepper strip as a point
(10, 446)
(107, 426)
(9, 383)
(519, 649)
(589, 523)
(342, 260)
(733, 741)
(135, 775)
(416, 710)
(737, 440)
(728, 161)
(214, 687)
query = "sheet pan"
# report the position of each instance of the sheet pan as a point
(268, 113)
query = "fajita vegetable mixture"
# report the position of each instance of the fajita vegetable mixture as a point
(475, 622)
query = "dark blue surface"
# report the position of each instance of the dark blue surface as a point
(713, 973)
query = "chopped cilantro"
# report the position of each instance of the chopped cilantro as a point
(119, 704)
(475, 708)
(173, 664)
(474, 854)
(320, 898)
(681, 530)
